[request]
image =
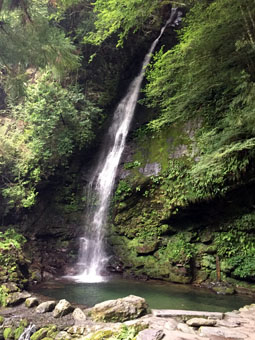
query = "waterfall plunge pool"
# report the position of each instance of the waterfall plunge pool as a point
(159, 295)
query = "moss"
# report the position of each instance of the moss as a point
(1, 319)
(40, 334)
(18, 331)
(8, 333)
(100, 335)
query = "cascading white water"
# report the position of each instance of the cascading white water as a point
(92, 257)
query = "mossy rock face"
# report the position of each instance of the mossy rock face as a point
(224, 290)
(1, 319)
(148, 247)
(200, 276)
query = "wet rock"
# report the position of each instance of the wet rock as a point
(79, 316)
(62, 308)
(31, 302)
(120, 310)
(198, 322)
(17, 298)
(45, 307)
(221, 332)
(150, 334)
(224, 290)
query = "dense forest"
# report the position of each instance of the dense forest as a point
(64, 65)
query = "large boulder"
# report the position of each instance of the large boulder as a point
(130, 307)
(62, 308)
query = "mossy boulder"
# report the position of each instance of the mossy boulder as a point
(17, 298)
(130, 307)
(40, 334)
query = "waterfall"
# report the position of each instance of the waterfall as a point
(92, 256)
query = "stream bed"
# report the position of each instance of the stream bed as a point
(159, 295)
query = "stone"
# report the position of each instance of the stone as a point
(185, 328)
(128, 308)
(138, 324)
(198, 322)
(17, 298)
(63, 336)
(62, 308)
(31, 302)
(79, 316)
(229, 324)
(247, 308)
(221, 332)
(185, 314)
(150, 334)
(171, 324)
(77, 330)
(45, 307)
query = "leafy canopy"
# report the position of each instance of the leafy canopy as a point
(48, 127)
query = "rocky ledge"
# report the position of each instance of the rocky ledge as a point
(123, 319)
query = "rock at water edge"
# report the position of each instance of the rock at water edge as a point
(130, 307)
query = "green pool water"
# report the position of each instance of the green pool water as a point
(158, 295)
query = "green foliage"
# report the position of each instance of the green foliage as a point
(131, 165)
(179, 249)
(121, 17)
(204, 78)
(11, 239)
(30, 39)
(11, 256)
(51, 123)
(123, 190)
(3, 296)
(237, 246)
(126, 333)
